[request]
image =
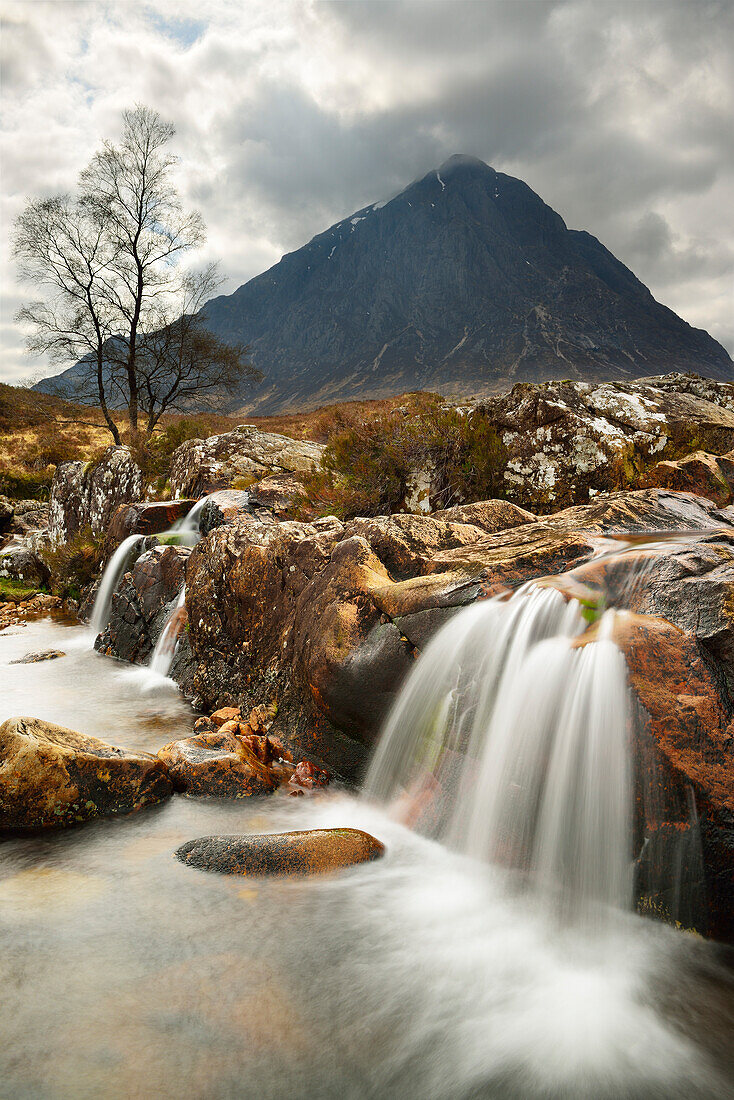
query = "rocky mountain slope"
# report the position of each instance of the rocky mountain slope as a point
(464, 283)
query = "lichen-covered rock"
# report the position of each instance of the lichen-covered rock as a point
(52, 776)
(238, 459)
(707, 475)
(144, 518)
(28, 516)
(310, 852)
(88, 494)
(20, 562)
(226, 506)
(34, 658)
(567, 441)
(141, 606)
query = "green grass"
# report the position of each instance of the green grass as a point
(17, 590)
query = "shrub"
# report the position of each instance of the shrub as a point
(74, 564)
(154, 456)
(369, 465)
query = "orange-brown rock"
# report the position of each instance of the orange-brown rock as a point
(707, 475)
(232, 762)
(307, 776)
(52, 776)
(225, 714)
(311, 852)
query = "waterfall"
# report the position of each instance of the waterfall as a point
(187, 529)
(509, 741)
(116, 567)
(165, 648)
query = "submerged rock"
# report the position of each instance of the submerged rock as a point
(53, 776)
(310, 852)
(34, 658)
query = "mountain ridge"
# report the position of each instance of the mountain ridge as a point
(464, 282)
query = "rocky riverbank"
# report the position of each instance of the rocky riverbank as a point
(319, 620)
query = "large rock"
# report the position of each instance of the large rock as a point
(567, 441)
(238, 460)
(52, 776)
(20, 562)
(311, 852)
(227, 505)
(223, 764)
(144, 518)
(707, 475)
(87, 495)
(144, 599)
(326, 620)
(28, 516)
(684, 773)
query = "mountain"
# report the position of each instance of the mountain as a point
(465, 282)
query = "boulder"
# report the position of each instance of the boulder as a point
(229, 763)
(52, 776)
(228, 505)
(489, 515)
(238, 460)
(28, 516)
(144, 518)
(87, 495)
(684, 767)
(280, 494)
(315, 851)
(143, 602)
(566, 441)
(7, 511)
(20, 562)
(707, 475)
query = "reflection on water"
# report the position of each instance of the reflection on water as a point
(127, 975)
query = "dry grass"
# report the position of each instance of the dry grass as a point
(38, 431)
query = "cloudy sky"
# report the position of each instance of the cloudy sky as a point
(289, 116)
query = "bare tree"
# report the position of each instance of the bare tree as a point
(62, 248)
(181, 363)
(116, 291)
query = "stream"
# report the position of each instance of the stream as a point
(127, 975)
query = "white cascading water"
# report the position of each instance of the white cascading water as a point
(165, 648)
(116, 567)
(187, 529)
(509, 741)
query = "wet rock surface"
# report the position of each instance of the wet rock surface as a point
(88, 494)
(144, 518)
(310, 852)
(245, 455)
(143, 602)
(228, 763)
(53, 776)
(34, 658)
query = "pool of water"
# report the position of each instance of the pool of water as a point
(126, 975)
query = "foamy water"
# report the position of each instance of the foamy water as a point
(427, 974)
